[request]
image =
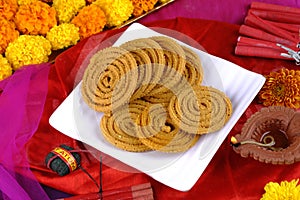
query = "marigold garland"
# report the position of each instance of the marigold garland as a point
(8, 8)
(283, 191)
(63, 35)
(67, 9)
(281, 88)
(36, 18)
(142, 6)
(8, 33)
(116, 11)
(28, 49)
(90, 20)
(5, 68)
(62, 22)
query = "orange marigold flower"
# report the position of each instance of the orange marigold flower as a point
(142, 6)
(24, 2)
(8, 8)
(281, 88)
(90, 20)
(8, 33)
(116, 11)
(36, 18)
(5, 68)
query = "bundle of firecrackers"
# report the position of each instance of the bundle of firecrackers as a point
(30, 30)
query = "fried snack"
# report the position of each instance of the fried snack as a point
(175, 63)
(162, 98)
(119, 137)
(148, 72)
(193, 71)
(151, 94)
(100, 88)
(157, 131)
(200, 110)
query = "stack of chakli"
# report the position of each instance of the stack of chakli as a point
(152, 96)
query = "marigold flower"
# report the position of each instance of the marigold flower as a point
(284, 190)
(116, 11)
(8, 33)
(36, 18)
(142, 6)
(281, 88)
(63, 35)
(28, 49)
(8, 8)
(90, 20)
(5, 68)
(67, 9)
(26, 2)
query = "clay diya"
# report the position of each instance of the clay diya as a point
(271, 135)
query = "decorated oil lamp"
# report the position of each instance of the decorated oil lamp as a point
(271, 135)
(274, 139)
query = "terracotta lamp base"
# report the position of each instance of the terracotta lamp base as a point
(271, 135)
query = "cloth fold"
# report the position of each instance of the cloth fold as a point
(21, 105)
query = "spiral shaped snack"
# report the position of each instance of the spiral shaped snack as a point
(175, 62)
(193, 71)
(150, 92)
(201, 110)
(144, 49)
(162, 98)
(157, 131)
(103, 73)
(119, 130)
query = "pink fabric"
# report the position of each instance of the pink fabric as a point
(231, 11)
(22, 98)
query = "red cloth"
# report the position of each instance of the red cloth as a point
(228, 176)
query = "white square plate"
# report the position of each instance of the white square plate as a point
(182, 170)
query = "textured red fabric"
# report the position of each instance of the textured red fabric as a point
(228, 176)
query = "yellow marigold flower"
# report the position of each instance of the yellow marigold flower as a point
(90, 20)
(63, 35)
(281, 88)
(67, 9)
(26, 2)
(8, 8)
(283, 191)
(5, 68)
(8, 33)
(142, 6)
(36, 18)
(28, 49)
(116, 11)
